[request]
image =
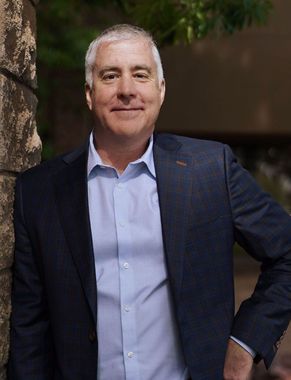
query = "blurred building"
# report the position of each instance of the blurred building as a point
(235, 87)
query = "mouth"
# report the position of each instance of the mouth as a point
(124, 109)
(126, 114)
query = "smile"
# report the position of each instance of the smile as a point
(126, 109)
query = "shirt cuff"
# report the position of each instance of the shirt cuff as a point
(244, 346)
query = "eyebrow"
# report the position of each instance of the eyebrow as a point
(117, 69)
(143, 67)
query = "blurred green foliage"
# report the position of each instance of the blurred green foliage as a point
(182, 21)
(64, 30)
(65, 27)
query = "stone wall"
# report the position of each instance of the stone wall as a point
(19, 143)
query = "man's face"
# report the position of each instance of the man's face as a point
(126, 95)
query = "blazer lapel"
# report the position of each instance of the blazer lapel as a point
(72, 203)
(174, 181)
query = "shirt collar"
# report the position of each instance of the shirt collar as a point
(95, 160)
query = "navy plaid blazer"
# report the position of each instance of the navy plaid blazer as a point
(207, 201)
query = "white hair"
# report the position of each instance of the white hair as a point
(117, 33)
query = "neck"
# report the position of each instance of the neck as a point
(119, 155)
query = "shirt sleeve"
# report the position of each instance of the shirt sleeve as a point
(244, 346)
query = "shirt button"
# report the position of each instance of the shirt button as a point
(125, 265)
(126, 308)
(130, 354)
(122, 224)
(120, 186)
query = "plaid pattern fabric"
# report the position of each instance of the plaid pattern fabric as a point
(207, 203)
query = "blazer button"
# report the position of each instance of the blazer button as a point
(92, 335)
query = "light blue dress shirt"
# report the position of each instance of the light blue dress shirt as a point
(136, 328)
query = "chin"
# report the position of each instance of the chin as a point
(127, 129)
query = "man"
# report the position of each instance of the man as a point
(123, 254)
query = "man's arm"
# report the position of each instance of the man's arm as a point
(263, 228)
(31, 350)
(238, 362)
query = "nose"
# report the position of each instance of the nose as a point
(126, 88)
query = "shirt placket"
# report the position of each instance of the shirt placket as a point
(127, 283)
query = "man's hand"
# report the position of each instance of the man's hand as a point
(238, 363)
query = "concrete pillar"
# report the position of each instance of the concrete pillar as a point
(19, 142)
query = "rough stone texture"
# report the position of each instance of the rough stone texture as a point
(7, 183)
(19, 142)
(5, 283)
(6, 242)
(2, 28)
(18, 42)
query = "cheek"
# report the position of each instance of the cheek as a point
(100, 105)
(103, 97)
(156, 103)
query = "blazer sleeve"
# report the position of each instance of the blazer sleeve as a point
(263, 229)
(31, 352)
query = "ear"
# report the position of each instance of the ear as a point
(162, 90)
(88, 92)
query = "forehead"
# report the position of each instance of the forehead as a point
(126, 52)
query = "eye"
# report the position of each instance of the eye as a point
(141, 75)
(109, 77)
